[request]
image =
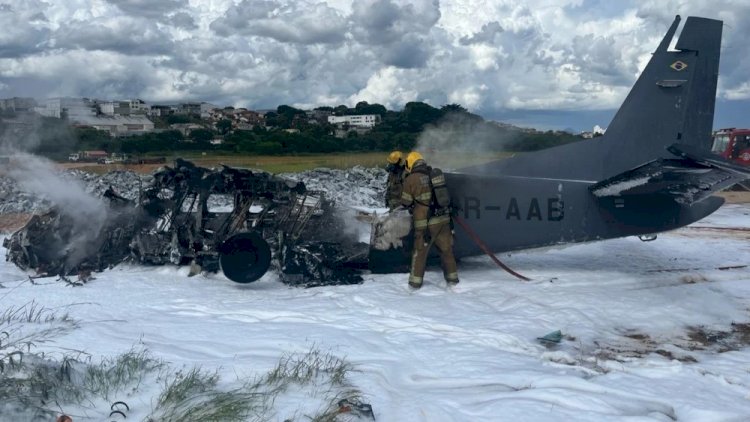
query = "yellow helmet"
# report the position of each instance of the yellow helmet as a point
(412, 158)
(395, 157)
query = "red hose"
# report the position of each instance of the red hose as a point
(484, 247)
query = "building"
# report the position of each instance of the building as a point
(206, 109)
(70, 108)
(161, 110)
(358, 120)
(185, 128)
(17, 104)
(138, 106)
(251, 118)
(189, 108)
(318, 116)
(117, 125)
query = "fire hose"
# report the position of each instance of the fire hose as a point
(473, 236)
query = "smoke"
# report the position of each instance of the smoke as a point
(458, 138)
(30, 132)
(352, 228)
(86, 213)
(23, 134)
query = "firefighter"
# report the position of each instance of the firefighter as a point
(395, 183)
(429, 220)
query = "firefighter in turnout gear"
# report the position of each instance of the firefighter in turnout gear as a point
(430, 219)
(396, 169)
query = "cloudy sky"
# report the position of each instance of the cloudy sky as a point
(541, 63)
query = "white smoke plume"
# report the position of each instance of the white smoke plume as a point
(29, 132)
(351, 227)
(461, 134)
(87, 213)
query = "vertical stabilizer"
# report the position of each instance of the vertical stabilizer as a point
(671, 102)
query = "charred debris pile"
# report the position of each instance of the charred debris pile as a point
(238, 221)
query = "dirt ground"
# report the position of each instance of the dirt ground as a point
(735, 197)
(12, 222)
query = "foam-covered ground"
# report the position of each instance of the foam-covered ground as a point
(654, 331)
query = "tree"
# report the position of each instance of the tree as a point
(453, 108)
(177, 118)
(51, 137)
(201, 135)
(363, 107)
(417, 114)
(341, 110)
(224, 126)
(90, 138)
(287, 115)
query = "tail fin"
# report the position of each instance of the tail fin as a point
(671, 102)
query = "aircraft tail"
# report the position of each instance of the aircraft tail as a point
(671, 102)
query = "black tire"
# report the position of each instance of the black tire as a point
(245, 257)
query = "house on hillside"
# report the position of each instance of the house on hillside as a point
(359, 123)
(124, 108)
(185, 128)
(250, 118)
(161, 110)
(357, 120)
(318, 116)
(202, 109)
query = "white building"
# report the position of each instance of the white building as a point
(139, 107)
(206, 109)
(117, 125)
(107, 108)
(73, 108)
(202, 109)
(359, 120)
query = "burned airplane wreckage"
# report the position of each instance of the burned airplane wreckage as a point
(265, 221)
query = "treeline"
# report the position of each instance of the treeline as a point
(291, 131)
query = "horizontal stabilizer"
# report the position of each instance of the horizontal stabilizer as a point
(694, 177)
(708, 159)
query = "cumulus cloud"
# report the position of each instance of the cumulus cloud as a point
(379, 22)
(399, 33)
(485, 35)
(149, 8)
(297, 22)
(23, 31)
(495, 58)
(182, 20)
(122, 35)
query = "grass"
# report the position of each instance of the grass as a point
(29, 381)
(126, 371)
(196, 395)
(295, 163)
(36, 386)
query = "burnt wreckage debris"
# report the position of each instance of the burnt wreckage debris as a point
(271, 221)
